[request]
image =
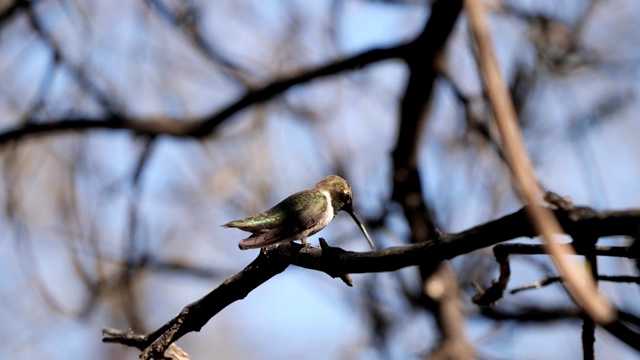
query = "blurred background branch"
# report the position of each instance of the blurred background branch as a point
(166, 118)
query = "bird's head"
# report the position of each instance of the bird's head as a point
(339, 191)
(341, 199)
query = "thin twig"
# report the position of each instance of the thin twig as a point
(548, 280)
(588, 324)
(503, 251)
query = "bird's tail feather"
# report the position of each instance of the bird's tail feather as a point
(261, 240)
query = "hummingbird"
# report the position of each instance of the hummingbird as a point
(300, 215)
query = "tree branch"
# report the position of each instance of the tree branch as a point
(579, 284)
(195, 315)
(548, 280)
(503, 251)
(202, 127)
(407, 185)
(336, 262)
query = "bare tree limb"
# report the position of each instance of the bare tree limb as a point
(503, 251)
(199, 128)
(198, 313)
(588, 324)
(533, 314)
(274, 260)
(548, 280)
(580, 285)
(407, 185)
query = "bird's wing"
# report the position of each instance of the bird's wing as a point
(309, 209)
(262, 222)
(302, 212)
(298, 210)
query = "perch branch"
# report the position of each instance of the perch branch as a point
(198, 313)
(276, 259)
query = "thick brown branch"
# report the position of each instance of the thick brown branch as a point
(336, 262)
(407, 187)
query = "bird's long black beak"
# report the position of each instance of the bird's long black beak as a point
(364, 231)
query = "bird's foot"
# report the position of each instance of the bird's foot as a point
(306, 247)
(305, 243)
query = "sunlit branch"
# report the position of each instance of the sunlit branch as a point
(337, 262)
(579, 284)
